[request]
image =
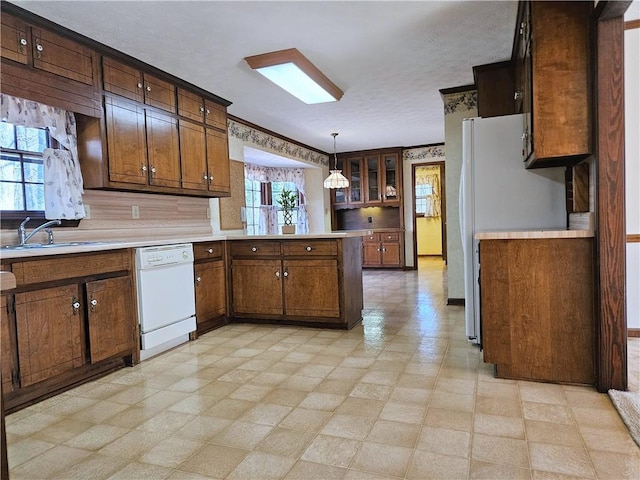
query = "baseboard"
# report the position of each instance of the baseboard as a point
(633, 332)
(455, 301)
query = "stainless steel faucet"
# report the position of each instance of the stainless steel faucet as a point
(23, 237)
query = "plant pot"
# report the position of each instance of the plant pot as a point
(288, 229)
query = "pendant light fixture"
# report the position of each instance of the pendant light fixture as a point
(335, 179)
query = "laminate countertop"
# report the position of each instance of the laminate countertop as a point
(96, 246)
(532, 234)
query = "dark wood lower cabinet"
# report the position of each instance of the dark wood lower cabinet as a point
(257, 286)
(211, 295)
(537, 308)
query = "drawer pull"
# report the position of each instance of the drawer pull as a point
(201, 109)
(286, 274)
(198, 280)
(210, 251)
(75, 305)
(205, 177)
(153, 171)
(93, 303)
(254, 249)
(148, 88)
(23, 42)
(139, 85)
(309, 248)
(143, 168)
(278, 274)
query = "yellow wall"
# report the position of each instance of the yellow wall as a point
(429, 230)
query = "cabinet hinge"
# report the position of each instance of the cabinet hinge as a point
(15, 377)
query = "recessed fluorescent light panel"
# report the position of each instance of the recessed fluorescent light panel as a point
(293, 72)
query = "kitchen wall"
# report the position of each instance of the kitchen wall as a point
(457, 106)
(632, 173)
(411, 156)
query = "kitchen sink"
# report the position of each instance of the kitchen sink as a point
(32, 246)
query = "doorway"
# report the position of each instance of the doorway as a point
(429, 211)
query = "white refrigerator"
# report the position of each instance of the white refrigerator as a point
(498, 194)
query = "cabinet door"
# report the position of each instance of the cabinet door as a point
(211, 292)
(390, 254)
(355, 180)
(111, 318)
(373, 179)
(64, 57)
(311, 288)
(190, 105)
(193, 156)
(126, 141)
(371, 253)
(15, 40)
(215, 115)
(163, 150)
(49, 331)
(8, 345)
(218, 161)
(122, 79)
(159, 94)
(257, 287)
(390, 177)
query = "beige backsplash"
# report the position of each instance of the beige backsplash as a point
(161, 216)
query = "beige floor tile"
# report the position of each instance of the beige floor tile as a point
(452, 401)
(322, 401)
(214, 461)
(544, 412)
(315, 471)
(162, 399)
(180, 475)
(597, 417)
(561, 459)
(427, 466)
(133, 395)
(329, 450)
(219, 389)
(165, 422)
(101, 411)
(70, 406)
(371, 391)
(252, 393)
(411, 395)
(306, 420)
(361, 406)
(171, 452)
(498, 425)
(554, 433)
(132, 445)
(26, 449)
(53, 461)
(500, 450)
(96, 437)
(587, 397)
(266, 414)
(383, 459)
(203, 428)
(269, 379)
(30, 424)
(411, 380)
(337, 387)
(510, 406)
(452, 419)
(604, 439)
(285, 396)
(299, 382)
(394, 433)
(616, 466)
(355, 427)
(456, 385)
(444, 441)
(491, 471)
(346, 373)
(286, 442)
(542, 393)
(194, 404)
(498, 390)
(230, 408)
(262, 465)
(242, 435)
(62, 431)
(141, 471)
(95, 467)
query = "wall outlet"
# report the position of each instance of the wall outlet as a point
(135, 211)
(370, 219)
(87, 211)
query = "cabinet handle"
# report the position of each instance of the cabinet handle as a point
(210, 251)
(198, 279)
(208, 112)
(39, 48)
(278, 274)
(139, 84)
(517, 95)
(148, 89)
(523, 26)
(205, 177)
(143, 168)
(23, 44)
(255, 249)
(210, 178)
(201, 109)
(153, 171)
(75, 305)
(93, 303)
(308, 249)
(286, 274)
(524, 136)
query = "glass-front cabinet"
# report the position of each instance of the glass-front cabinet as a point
(340, 194)
(373, 179)
(355, 180)
(390, 179)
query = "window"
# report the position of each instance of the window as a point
(21, 170)
(422, 193)
(258, 195)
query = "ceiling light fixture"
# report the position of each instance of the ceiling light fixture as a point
(293, 72)
(335, 179)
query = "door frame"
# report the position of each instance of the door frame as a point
(443, 208)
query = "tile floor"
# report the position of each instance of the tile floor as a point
(403, 396)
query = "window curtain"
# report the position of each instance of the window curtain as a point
(268, 223)
(63, 185)
(433, 206)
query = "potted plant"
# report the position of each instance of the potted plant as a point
(287, 200)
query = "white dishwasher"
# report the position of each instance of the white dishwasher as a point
(166, 297)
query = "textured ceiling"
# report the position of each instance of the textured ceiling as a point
(390, 58)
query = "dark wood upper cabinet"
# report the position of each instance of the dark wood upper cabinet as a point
(15, 39)
(122, 79)
(61, 56)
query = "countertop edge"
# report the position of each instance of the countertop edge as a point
(533, 234)
(114, 245)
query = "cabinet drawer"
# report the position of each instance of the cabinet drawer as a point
(78, 265)
(257, 248)
(373, 238)
(207, 250)
(310, 248)
(390, 237)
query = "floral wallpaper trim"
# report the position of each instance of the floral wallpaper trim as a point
(423, 153)
(454, 102)
(251, 136)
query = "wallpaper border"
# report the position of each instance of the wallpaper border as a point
(422, 153)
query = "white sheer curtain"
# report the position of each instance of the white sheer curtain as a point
(62, 176)
(433, 203)
(269, 214)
